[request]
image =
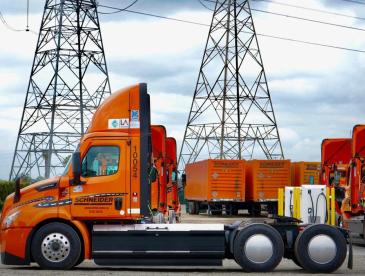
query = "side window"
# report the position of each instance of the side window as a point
(100, 161)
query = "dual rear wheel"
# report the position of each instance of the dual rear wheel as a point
(318, 248)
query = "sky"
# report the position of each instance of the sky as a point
(316, 92)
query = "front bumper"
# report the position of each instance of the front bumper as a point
(14, 247)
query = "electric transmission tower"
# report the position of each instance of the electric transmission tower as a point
(231, 116)
(68, 81)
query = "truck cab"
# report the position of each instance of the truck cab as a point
(335, 158)
(356, 180)
(100, 209)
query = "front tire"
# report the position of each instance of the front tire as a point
(56, 246)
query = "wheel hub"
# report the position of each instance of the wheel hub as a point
(258, 248)
(322, 249)
(55, 247)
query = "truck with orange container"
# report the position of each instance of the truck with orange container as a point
(353, 204)
(173, 203)
(303, 173)
(263, 179)
(335, 154)
(159, 186)
(215, 185)
(99, 209)
(335, 157)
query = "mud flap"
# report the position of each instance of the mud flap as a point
(351, 257)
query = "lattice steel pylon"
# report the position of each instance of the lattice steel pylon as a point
(231, 116)
(68, 81)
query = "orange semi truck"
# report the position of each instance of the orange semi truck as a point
(343, 168)
(100, 209)
(335, 157)
(159, 186)
(171, 171)
(353, 205)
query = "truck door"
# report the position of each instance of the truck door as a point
(103, 192)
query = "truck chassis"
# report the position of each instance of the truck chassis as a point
(256, 247)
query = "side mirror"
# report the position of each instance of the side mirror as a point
(183, 179)
(76, 168)
(17, 191)
(153, 174)
(174, 176)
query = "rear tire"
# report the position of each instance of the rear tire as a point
(320, 248)
(193, 208)
(56, 246)
(258, 248)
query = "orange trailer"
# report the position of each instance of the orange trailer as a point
(263, 179)
(213, 183)
(305, 173)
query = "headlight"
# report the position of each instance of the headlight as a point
(9, 219)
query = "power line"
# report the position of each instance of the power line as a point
(354, 1)
(121, 9)
(8, 26)
(313, 43)
(2, 19)
(259, 34)
(303, 19)
(310, 20)
(157, 16)
(311, 9)
(201, 3)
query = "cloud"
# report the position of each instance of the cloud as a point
(316, 92)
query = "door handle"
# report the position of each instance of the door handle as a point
(118, 203)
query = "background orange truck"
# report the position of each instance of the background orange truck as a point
(343, 168)
(100, 209)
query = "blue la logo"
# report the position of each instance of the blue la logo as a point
(135, 115)
(115, 123)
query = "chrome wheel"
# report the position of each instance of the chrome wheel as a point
(259, 248)
(55, 247)
(322, 249)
